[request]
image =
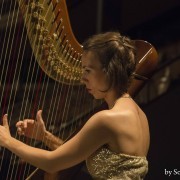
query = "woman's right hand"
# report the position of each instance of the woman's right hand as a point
(32, 128)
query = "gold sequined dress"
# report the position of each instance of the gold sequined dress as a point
(107, 165)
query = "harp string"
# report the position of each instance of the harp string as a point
(33, 111)
(13, 158)
(27, 108)
(14, 96)
(65, 109)
(7, 75)
(35, 91)
(5, 49)
(1, 11)
(66, 104)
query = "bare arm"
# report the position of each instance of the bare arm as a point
(51, 141)
(93, 135)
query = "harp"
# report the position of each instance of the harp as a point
(40, 62)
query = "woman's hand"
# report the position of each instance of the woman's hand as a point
(4, 132)
(31, 128)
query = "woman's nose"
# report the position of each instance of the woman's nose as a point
(83, 78)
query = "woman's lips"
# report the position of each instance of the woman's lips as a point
(89, 90)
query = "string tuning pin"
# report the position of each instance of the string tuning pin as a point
(55, 68)
(55, 36)
(52, 62)
(37, 29)
(39, 7)
(45, 32)
(31, 7)
(39, 40)
(35, 17)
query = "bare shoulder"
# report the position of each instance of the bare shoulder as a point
(100, 118)
(117, 119)
(111, 119)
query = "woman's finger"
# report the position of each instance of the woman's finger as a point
(19, 123)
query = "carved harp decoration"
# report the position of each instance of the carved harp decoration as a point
(55, 87)
(52, 40)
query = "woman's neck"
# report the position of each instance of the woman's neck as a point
(111, 101)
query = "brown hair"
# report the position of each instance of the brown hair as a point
(117, 56)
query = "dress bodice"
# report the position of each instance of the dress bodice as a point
(108, 165)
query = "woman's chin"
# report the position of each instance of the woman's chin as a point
(97, 97)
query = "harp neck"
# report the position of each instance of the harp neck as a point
(52, 40)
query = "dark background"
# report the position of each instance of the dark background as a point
(155, 21)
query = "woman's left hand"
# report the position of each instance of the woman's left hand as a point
(4, 132)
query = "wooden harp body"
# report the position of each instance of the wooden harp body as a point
(41, 69)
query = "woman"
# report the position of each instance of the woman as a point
(113, 142)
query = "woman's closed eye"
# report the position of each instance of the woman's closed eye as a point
(86, 70)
